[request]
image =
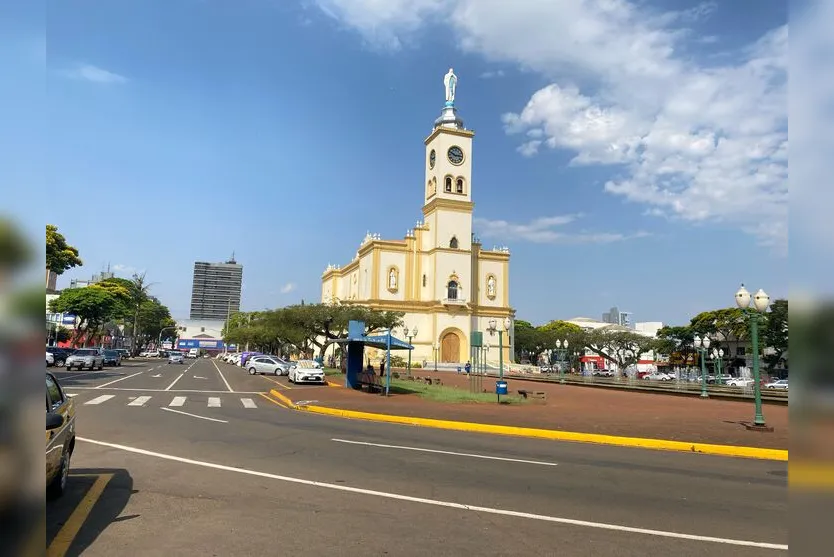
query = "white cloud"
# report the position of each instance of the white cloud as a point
(129, 270)
(287, 288)
(88, 72)
(542, 231)
(689, 141)
(492, 74)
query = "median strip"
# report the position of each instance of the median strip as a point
(550, 434)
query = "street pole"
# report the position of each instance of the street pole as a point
(703, 355)
(434, 349)
(757, 385)
(388, 363)
(500, 354)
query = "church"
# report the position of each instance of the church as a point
(439, 274)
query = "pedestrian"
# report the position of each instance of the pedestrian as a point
(468, 367)
(382, 367)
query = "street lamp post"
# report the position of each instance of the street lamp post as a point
(493, 327)
(717, 356)
(434, 351)
(410, 334)
(701, 346)
(761, 301)
(562, 353)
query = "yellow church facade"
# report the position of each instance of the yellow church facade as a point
(439, 274)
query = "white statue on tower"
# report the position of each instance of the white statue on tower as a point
(450, 80)
(392, 280)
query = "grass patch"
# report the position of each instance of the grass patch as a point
(332, 371)
(442, 393)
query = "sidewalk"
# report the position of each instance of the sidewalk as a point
(576, 409)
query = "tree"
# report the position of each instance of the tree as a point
(155, 318)
(92, 306)
(676, 341)
(527, 340)
(721, 324)
(775, 332)
(60, 256)
(619, 346)
(120, 289)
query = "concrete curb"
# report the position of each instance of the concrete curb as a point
(553, 435)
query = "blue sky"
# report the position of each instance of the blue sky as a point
(183, 130)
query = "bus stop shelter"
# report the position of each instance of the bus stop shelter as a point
(354, 349)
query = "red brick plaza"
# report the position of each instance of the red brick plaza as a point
(577, 408)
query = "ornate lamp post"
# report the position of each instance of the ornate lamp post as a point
(410, 335)
(761, 301)
(562, 353)
(701, 346)
(718, 356)
(493, 327)
(434, 349)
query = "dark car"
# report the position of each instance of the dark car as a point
(59, 354)
(123, 353)
(112, 358)
(60, 436)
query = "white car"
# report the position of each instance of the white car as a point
(299, 374)
(658, 376)
(50, 359)
(780, 384)
(739, 382)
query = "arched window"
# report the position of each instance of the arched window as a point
(448, 185)
(459, 185)
(424, 281)
(452, 290)
(453, 243)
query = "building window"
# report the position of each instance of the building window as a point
(459, 185)
(448, 184)
(424, 281)
(452, 290)
(202, 329)
(454, 242)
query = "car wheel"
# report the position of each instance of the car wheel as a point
(276, 372)
(59, 363)
(252, 371)
(59, 483)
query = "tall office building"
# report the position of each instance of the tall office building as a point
(215, 293)
(617, 317)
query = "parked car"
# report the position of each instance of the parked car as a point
(111, 358)
(60, 355)
(779, 384)
(175, 357)
(60, 437)
(267, 364)
(123, 352)
(658, 376)
(50, 359)
(739, 382)
(299, 374)
(90, 358)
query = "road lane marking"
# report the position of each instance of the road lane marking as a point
(174, 382)
(66, 535)
(177, 401)
(195, 415)
(444, 452)
(139, 401)
(447, 504)
(119, 379)
(273, 401)
(248, 403)
(71, 395)
(214, 402)
(221, 376)
(276, 382)
(100, 399)
(77, 388)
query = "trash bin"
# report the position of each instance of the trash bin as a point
(501, 387)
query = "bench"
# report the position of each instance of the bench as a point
(370, 380)
(540, 395)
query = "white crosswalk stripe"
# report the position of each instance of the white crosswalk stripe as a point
(139, 401)
(100, 399)
(248, 403)
(178, 401)
(214, 402)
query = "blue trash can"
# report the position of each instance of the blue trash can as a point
(501, 387)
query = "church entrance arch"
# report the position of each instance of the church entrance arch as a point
(450, 344)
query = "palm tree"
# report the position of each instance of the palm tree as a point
(138, 295)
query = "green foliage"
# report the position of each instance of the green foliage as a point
(533, 341)
(93, 307)
(677, 342)
(621, 347)
(727, 323)
(60, 256)
(399, 361)
(775, 332)
(153, 318)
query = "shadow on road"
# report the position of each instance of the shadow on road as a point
(75, 520)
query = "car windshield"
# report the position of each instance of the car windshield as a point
(83, 352)
(111, 353)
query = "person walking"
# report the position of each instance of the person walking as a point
(468, 367)
(382, 368)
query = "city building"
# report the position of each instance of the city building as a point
(617, 317)
(204, 334)
(440, 275)
(215, 292)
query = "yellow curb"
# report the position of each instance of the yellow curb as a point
(333, 384)
(554, 435)
(277, 394)
(811, 475)
(273, 401)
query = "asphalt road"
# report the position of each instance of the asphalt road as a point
(214, 475)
